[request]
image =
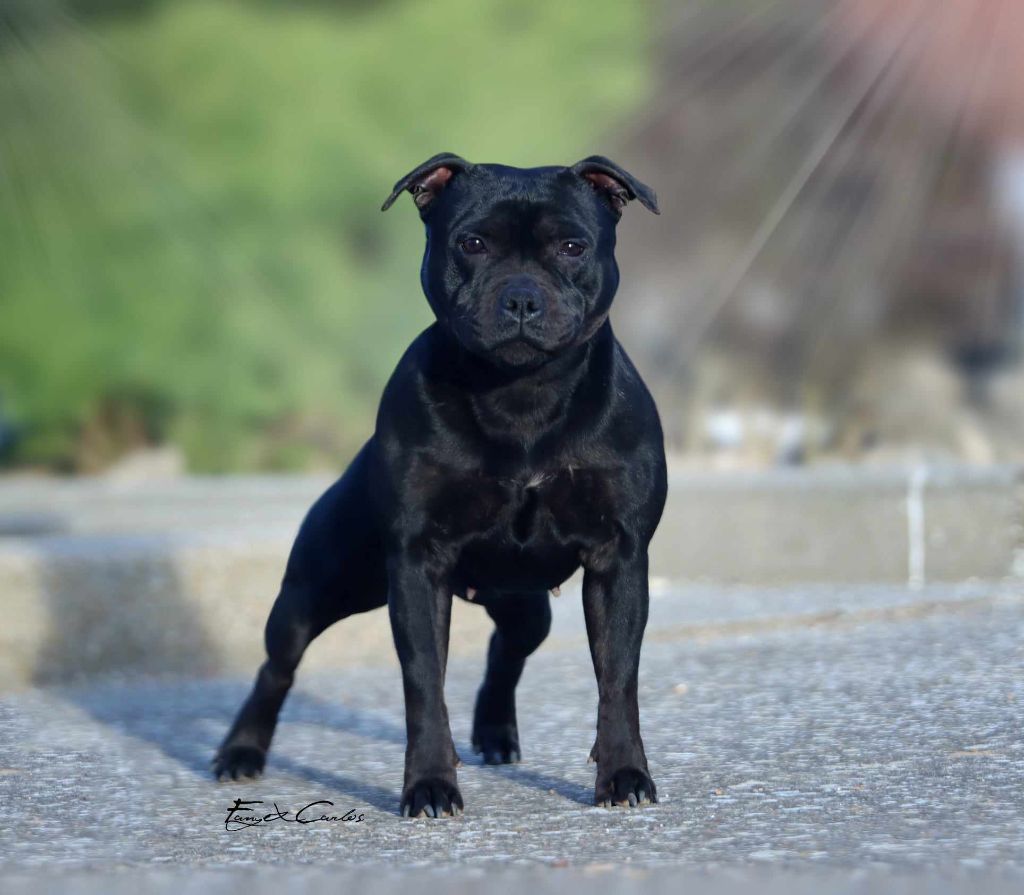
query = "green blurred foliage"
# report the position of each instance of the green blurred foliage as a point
(190, 243)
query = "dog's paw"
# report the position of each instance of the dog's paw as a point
(431, 797)
(498, 743)
(627, 787)
(238, 763)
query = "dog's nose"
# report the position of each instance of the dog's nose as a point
(522, 303)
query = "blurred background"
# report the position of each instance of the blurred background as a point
(194, 275)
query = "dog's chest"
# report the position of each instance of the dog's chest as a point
(527, 530)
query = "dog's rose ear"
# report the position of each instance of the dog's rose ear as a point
(615, 183)
(426, 181)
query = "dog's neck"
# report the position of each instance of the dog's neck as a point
(524, 405)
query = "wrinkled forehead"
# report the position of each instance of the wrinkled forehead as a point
(495, 200)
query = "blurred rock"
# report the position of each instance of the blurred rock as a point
(142, 464)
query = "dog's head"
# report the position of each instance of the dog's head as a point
(520, 262)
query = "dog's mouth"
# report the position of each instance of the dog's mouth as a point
(524, 347)
(524, 337)
(522, 351)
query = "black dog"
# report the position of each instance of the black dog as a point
(515, 443)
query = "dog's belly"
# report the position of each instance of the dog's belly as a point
(510, 567)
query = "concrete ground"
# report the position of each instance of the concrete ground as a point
(803, 739)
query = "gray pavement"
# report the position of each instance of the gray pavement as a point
(785, 737)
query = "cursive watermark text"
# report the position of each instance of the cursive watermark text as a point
(246, 813)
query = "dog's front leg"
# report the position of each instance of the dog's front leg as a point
(615, 598)
(420, 604)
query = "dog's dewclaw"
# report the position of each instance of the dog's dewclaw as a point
(556, 591)
(470, 593)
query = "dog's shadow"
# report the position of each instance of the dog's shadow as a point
(190, 718)
(186, 719)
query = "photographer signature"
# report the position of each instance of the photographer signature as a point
(244, 814)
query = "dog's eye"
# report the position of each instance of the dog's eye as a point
(572, 248)
(474, 245)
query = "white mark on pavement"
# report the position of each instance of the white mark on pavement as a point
(915, 527)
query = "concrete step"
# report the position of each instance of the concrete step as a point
(179, 576)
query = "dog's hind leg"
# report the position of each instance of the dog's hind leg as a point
(522, 621)
(336, 568)
(292, 626)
